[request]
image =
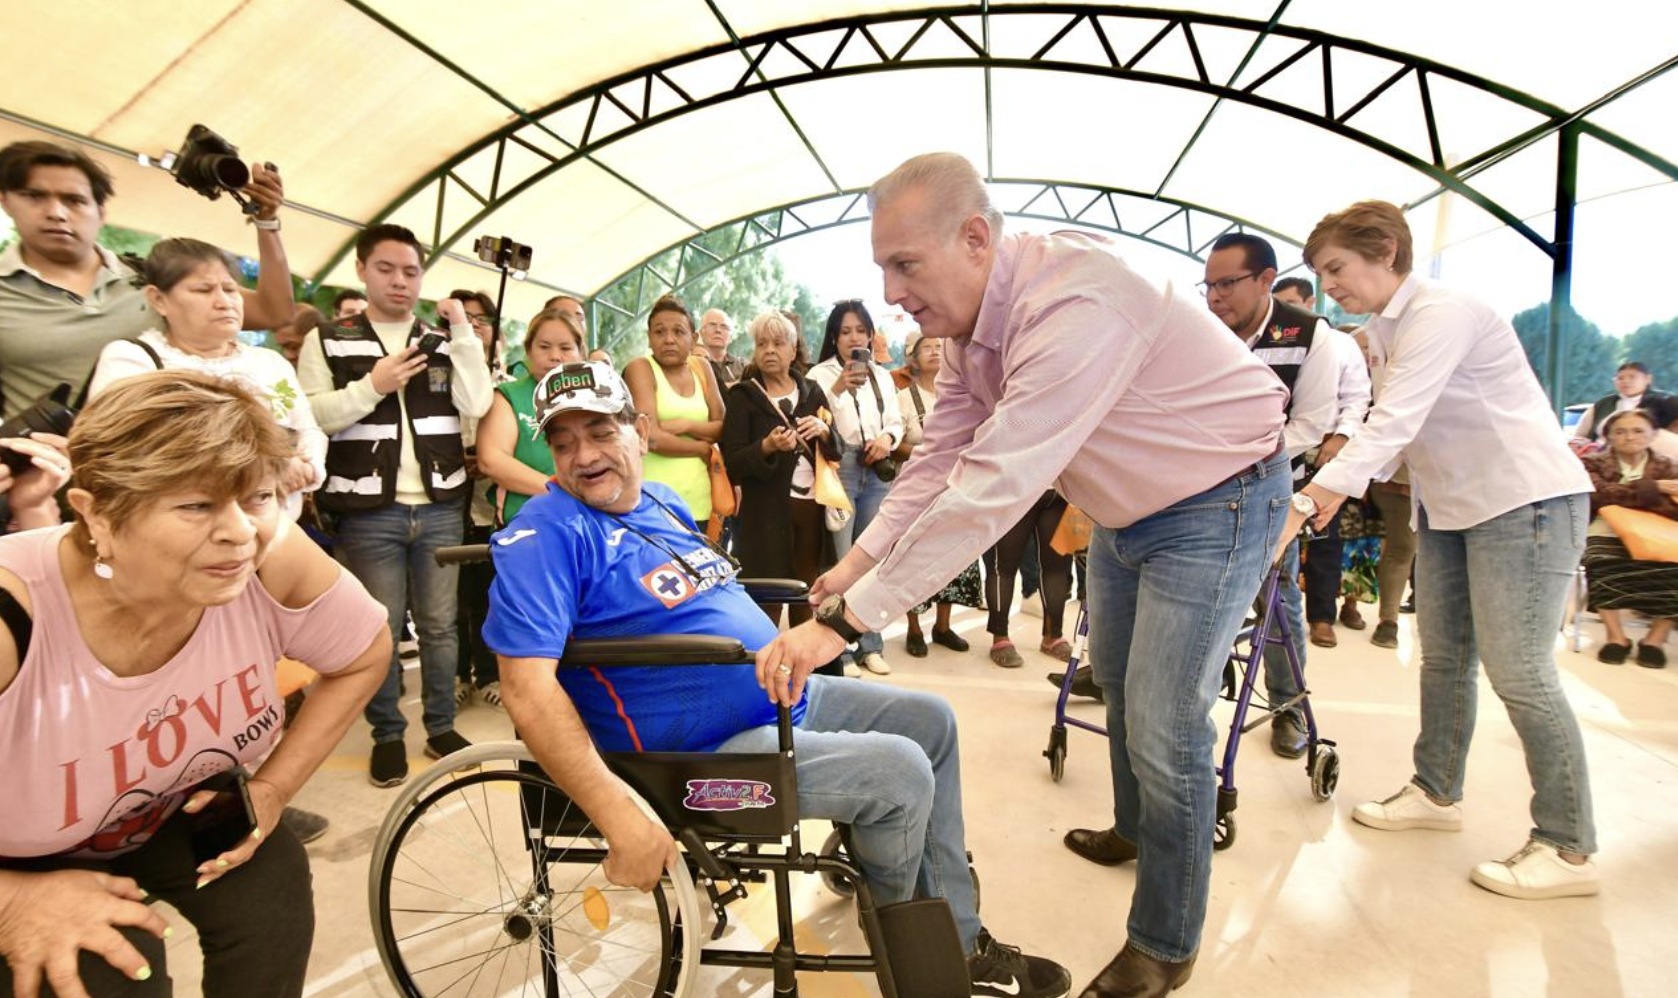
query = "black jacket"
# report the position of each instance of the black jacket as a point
(763, 536)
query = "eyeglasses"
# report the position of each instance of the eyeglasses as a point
(1224, 286)
(479, 320)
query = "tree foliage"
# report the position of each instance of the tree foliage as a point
(749, 284)
(1655, 345)
(1589, 358)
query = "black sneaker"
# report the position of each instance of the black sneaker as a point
(306, 825)
(389, 765)
(447, 743)
(1005, 972)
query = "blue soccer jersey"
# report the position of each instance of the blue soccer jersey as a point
(564, 569)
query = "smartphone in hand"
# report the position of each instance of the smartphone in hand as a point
(227, 820)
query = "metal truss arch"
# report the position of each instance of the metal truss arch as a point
(628, 98)
(1184, 228)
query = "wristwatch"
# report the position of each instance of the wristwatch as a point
(1303, 503)
(831, 615)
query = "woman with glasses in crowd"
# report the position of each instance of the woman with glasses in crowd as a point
(775, 426)
(869, 426)
(1627, 473)
(922, 358)
(680, 393)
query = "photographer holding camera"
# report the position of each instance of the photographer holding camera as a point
(63, 296)
(870, 427)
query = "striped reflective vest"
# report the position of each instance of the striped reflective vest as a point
(1283, 345)
(362, 459)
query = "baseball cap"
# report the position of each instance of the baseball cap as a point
(580, 386)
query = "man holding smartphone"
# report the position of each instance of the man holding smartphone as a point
(391, 391)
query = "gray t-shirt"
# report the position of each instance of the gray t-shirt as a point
(49, 335)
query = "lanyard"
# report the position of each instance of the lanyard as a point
(693, 574)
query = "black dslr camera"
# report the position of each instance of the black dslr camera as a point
(51, 413)
(209, 164)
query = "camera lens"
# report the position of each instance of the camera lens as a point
(226, 171)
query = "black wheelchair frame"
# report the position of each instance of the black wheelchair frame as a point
(914, 950)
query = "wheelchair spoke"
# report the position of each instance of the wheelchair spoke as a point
(421, 887)
(467, 917)
(470, 956)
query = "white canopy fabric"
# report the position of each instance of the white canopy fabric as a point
(480, 119)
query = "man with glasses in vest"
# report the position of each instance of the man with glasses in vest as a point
(391, 392)
(1300, 347)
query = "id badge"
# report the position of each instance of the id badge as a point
(438, 380)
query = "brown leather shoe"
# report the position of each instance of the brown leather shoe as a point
(1350, 617)
(1106, 847)
(1134, 975)
(1322, 635)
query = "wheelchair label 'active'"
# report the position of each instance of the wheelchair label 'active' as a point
(728, 795)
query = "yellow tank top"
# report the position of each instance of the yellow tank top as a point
(689, 476)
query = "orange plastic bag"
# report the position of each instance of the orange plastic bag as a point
(1648, 536)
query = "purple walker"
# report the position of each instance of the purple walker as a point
(1269, 626)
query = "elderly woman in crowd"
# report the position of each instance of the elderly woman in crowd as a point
(923, 356)
(776, 420)
(1629, 474)
(193, 288)
(1501, 525)
(137, 661)
(681, 393)
(869, 426)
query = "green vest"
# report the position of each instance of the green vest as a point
(531, 449)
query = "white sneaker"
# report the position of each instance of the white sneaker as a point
(490, 693)
(852, 670)
(1409, 808)
(1535, 873)
(876, 663)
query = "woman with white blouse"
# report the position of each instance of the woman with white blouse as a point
(193, 288)
(1501, 507)
(870, 427)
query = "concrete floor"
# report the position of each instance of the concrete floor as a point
(1305, 904)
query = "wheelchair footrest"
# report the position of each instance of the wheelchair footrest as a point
(924, 950)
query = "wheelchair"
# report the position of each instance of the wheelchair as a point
(487, 880)
(1242, 672)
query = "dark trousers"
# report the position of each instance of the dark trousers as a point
(478, 666)
(255, 925)
(808, 527)
(1003, 561)
(1322, 574)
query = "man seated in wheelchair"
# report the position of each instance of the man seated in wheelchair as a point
(604, 554)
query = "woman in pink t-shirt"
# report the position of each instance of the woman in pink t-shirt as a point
(137, 660)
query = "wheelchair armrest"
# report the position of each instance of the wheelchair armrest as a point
(776, 590)
(462, 553)
(656, 649)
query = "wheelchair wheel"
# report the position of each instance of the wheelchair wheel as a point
(1056, 752)
(1325, 772)
(486, 880)
(834, 846)
(1223, 833)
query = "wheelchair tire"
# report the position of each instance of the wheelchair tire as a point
(834, 846)
(1325, 772)
(459, 895)
(1223, 833)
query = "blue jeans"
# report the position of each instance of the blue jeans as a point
(391, 551)
(1278, 678)
(886, 762)
(1494, 595)
(866, 492)
(1167, 595)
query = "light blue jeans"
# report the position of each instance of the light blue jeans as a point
(866, 492)
(1167, 595)
(1278, 678)
(1493, 594)
(391, 550)
(886, 762)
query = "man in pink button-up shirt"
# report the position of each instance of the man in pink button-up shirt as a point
(1065, 369)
